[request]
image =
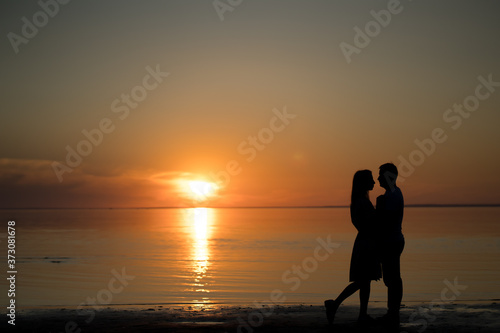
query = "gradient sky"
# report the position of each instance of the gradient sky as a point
(226, 78)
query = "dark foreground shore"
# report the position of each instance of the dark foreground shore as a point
(482, 317)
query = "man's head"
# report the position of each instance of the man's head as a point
(388, 173)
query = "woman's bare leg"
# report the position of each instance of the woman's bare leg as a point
(333, 305)
(348, 291)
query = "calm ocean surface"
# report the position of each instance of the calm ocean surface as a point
(237, 256)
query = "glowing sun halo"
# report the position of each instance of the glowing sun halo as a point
(201, 189)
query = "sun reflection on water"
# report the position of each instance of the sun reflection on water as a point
(200, 251)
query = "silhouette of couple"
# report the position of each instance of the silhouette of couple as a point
(378, 245)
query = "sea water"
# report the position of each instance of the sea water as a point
(72, 257)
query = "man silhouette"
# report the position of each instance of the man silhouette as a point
(390, 208)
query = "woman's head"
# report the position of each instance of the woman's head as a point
(361, 184)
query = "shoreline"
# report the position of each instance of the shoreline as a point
(373, 303)
(457, 205)
(450, 317)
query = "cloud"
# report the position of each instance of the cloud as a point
(33, 184)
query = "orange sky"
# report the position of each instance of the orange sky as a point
(168, 93)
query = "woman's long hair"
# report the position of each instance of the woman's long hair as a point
(360, 185)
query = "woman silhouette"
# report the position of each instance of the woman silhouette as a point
(365, 265)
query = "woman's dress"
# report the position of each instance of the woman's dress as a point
(365, 264)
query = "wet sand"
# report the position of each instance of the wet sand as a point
(453, 317)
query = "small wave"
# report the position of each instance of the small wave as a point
(52, 260)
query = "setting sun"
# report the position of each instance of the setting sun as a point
(202, 190)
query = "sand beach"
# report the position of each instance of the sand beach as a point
(452, 317)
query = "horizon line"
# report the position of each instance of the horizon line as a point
(258, 207)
